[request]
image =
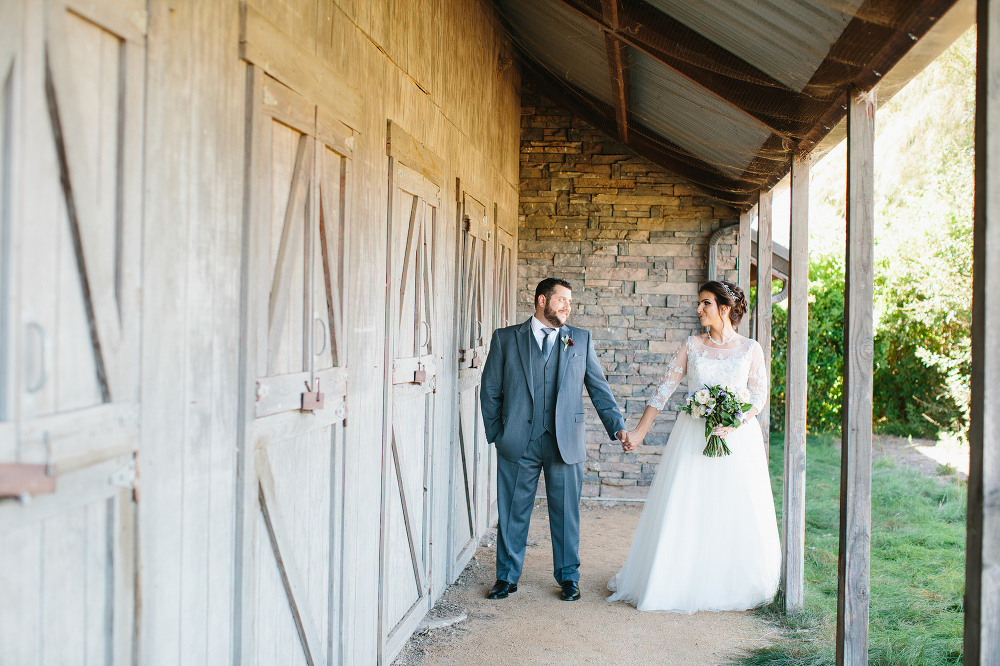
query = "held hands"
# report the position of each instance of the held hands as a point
(630, 440)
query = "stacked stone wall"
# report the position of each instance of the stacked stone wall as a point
(632, 241)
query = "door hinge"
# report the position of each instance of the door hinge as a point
(127, 476)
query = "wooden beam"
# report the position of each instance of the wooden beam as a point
(856, 432)
(763, 315)
(793, 514)
(743, 267)
(879, 35)
(982, 561)
(618, 62)
(706, 64)
(641, 139)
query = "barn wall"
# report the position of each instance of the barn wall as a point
(428, 66)
(632, 239)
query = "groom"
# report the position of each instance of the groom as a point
(532, 401)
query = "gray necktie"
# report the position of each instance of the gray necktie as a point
(546, 341)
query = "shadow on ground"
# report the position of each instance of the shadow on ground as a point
(533, 626)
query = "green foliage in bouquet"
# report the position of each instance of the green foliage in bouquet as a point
(718, 405)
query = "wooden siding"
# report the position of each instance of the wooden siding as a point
(213, 530)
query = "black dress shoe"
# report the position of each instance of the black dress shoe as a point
(570, 591)
(501, 589)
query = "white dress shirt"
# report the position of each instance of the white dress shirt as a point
(536, 328)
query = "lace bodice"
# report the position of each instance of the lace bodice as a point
(737, 364)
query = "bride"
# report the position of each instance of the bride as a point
(707, 538)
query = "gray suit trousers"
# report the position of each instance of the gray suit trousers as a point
(517, 483)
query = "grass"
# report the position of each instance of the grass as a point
(917, 565)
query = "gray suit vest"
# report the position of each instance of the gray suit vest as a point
(545, 375)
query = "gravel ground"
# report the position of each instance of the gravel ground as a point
(533, 626)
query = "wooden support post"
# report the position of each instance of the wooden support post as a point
(743, 267)
(793, 514)
(856, 447)
(982, 562)
(764, 259)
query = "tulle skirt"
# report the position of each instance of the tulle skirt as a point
(708, 537)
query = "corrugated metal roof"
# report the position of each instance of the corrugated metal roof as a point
(694, 119)
(786, 39)
(568, 45)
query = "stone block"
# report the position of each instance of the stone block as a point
(624, 492)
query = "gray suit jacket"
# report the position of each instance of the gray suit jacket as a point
(507, 391)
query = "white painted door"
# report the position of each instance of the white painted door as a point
(411, 317)
(301, 164)
(471, 477)
(71, 112)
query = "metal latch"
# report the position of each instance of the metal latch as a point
(23, 480)
(420, 374)
(312, 399)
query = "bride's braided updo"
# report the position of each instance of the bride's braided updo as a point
(730, 295)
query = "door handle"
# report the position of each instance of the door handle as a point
(35, 373)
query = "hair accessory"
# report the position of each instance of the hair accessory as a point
(730, 292)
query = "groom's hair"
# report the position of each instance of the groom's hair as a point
(547, 286)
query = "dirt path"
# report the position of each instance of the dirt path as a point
(533, 626)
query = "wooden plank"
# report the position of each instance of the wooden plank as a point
(291, 578)
(78, 439)
(856, 447)
(264, 45)
(743, 266)
(417, 184)
(77, 489)
(284, 104)
(403, 368)
(285, 425)
(982, 568)
(404, 149)
(128, 23)
(763, 318)
(618, 62)
(288, 250)
(793, 516)
(284, 392)
(334, 133)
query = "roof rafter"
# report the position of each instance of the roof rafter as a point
(644, 141)
(619, 84)
(708, 65)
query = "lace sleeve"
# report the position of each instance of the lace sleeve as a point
(676, 370)
(757, 381)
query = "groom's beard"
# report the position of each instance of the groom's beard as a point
(553, 317)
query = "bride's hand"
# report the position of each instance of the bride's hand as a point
(722, 431)
(634, 439)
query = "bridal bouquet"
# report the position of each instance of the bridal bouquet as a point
(718, 405)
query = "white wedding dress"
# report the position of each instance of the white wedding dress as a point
(708, 537)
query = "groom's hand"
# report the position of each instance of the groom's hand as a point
(622, 436)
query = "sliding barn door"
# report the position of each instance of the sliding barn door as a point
(411, 318)
(298, 242)
(471, 478)
(71, 92)
(504, 313)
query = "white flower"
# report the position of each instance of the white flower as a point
(702, 396)
(744, 394)
(699, 411)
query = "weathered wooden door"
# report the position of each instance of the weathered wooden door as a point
(471, 479)
(71, 94)
(301, 166)
(504, 313)
(411, 318)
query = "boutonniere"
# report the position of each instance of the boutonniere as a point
(567, 342)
